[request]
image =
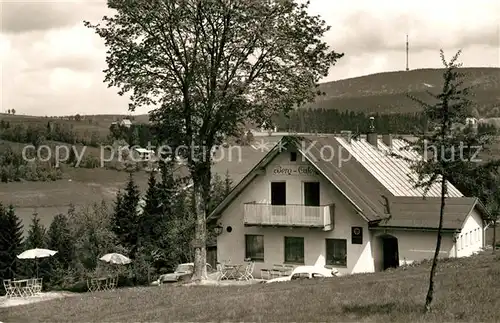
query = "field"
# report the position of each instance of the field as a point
(467, 290)
(82, 187)
(88, 123)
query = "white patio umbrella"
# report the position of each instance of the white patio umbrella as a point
(116, 259)
(35, 254)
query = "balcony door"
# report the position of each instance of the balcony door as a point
(278, 198)
(311, 193)
(311, 198)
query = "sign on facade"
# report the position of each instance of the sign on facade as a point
(294, 170)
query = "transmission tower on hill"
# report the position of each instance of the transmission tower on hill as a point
(407, 68)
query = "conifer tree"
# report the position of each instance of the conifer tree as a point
(125, 217)
(151, 215)
(37, 234)
(37, 238)
(152, 196)
(11, 238)
(60, 239)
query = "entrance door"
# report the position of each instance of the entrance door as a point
(390, 250)
(278, 198)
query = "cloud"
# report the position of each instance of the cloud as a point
(368, 27)
(52, 65)
(27, 16)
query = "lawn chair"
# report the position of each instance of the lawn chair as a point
(221, 272)
(9, 288)
(110, 283)
(37, 285)
(287, 270)
(247, 275)
(277, 270)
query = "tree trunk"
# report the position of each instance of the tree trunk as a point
(430, 291)
(200, 252)
(494, 243)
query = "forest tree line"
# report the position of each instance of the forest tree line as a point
(155, 235)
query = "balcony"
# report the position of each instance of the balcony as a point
(256, 214)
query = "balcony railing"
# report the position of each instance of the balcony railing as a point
(256, 214)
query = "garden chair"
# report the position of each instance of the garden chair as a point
(277, 270)
(37, 285)
(221, 272)
(247, 275)
(9, 288)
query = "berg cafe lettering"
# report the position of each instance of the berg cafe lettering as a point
(294, 170)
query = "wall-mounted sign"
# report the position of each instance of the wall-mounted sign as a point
(357, 235)
(294, 170)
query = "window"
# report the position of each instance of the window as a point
(336, 252)
(466, 239)
(470, 238)
(300, 276)
(254, 247)
(294, 250)
(293, 156)
(461, 241)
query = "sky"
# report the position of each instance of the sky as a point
(52, 65)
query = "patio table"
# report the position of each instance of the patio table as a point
(22, 288)
(234, 271)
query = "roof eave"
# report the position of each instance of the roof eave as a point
(408, 228)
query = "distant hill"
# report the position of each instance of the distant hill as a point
(382, 92)
(386, 92)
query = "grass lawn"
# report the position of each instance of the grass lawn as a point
(466, 290)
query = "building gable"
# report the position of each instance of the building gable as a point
(304, 165)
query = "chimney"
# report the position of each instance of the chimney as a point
(372, 137)
(346, 134)
(387, 140)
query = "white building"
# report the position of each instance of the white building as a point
(330, 200)
(144, 154)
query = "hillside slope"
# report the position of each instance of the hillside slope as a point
(386, 92)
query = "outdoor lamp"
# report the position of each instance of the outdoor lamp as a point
(218, 229)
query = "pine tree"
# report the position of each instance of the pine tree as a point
(167, 186)
(37, 234)
(125, 217)
(59, 238)
(118, 214)
(152, 196)
(11, 238)
(152, 215)
(37, 238)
